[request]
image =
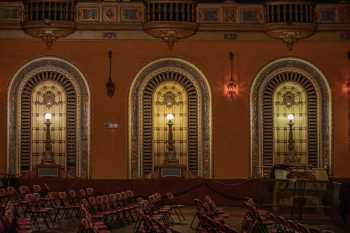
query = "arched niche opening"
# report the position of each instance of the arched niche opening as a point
(55, 85)
(161, 79)
(290, 86)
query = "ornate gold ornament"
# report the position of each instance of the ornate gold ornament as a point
(49, 99)
(169, 99)
(288, 99)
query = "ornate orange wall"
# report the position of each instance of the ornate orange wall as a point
(231, 123)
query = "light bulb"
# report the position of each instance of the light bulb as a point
(170, 117)
(290, 117)
(48, 116)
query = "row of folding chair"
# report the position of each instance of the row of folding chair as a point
(167, 207)
(151, 221)
(207, 207)
(262, 221)
(10, 193)
(115, 209)
(7, 194)
(11, 223)
(210, 225)
(88, 225)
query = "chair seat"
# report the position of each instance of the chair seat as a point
(41, 210)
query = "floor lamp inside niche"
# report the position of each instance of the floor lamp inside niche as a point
(171, 166)
(48, 166)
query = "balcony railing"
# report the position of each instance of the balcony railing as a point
(170, 20)
(53, 10)
(49, 19)
(290, 20)
(279, 12)
(170, 10)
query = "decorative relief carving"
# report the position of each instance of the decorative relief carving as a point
(88, 14)
(344, 35)
(326, 15)
(251, 15)
(131, 14)
(10, 13)
(288, 99)
(230, 36)
(343, 14)
(109, 14)
(209, 15)
(109, 35)
(230, 14)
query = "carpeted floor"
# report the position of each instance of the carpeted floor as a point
(235, 216)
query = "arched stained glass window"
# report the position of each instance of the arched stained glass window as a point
(48, 97)
(290, 98)
(170, 97)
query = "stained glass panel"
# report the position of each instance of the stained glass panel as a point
(290, 98)
(48, 97)
(169, 97)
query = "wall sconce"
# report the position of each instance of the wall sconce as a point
(347, 83)
(110, 86)
(231, 87)
(347, 87)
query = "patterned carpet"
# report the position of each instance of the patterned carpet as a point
(235, 216)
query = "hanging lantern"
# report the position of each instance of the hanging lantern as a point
(110, 85)
(231, 87)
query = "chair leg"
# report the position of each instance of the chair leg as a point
(193, 219)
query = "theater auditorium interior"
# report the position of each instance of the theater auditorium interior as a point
(174, 116)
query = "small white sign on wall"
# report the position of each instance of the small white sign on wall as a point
(110, 125)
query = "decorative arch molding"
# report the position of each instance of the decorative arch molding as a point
(319, 111)
(198, 89)
(78, 113)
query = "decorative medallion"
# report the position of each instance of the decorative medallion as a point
(169, 99)
(49, 99)
(230, 15)
(209, 15)
(288, 99)
(109, 14)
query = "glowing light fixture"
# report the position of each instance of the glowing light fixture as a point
(170, 118)
(231, 85)
(48, 116)
(290, 117)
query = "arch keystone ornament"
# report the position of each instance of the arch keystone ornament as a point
(199, 137)
(319, 113)
(77, 153)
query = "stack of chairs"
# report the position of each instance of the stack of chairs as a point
(210, 218)
(262, 221)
